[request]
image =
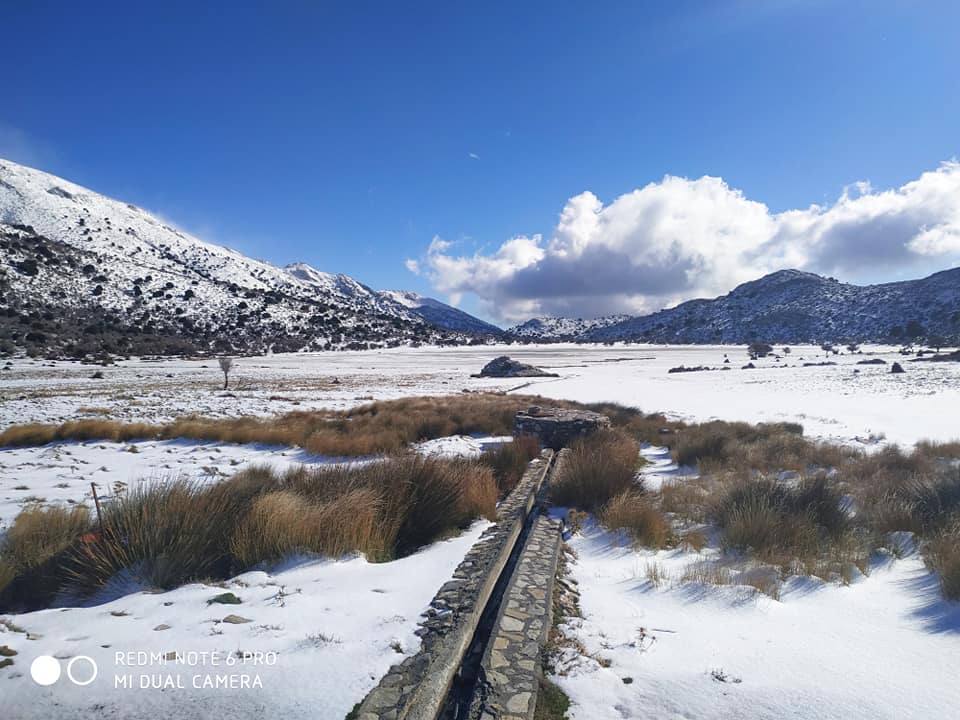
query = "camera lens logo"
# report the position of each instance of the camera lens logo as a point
(82, 670)
(45, 670)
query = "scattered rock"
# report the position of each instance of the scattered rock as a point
(6, 662)
(627, 680)
(227, 598)
(685, 369)
(896, 369)
(749, 366)
(161, 627)
(6, 651)
(945, 357)
(236, 620)
(119, 613)
(872, 361)
(505, 367)
(825, 363)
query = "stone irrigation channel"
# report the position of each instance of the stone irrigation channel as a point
(485, 630)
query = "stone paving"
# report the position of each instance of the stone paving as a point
(511, 666)
(416, 688)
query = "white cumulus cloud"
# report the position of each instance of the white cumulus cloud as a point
(678, 239)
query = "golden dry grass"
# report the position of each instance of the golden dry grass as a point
(510, 460)
(634, 512)
(167, 533)
(597, 468)
(943, 556)
(376, 428)
(39, 533)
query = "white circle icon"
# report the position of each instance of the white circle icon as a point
(93, 670)
(45, 670)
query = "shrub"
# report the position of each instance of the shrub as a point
(39, 533)
(8, 572)
(28, 435)
(725, 445)
(920, 503)
(283, 523)
(943, 556)
(634, 512)
(163, 534)
(772, 519)
(596, 469)
(510, 460)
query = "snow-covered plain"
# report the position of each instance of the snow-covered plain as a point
(882, 647)
(830, 401)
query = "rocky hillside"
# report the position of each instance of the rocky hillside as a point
(791, 306)
(561, 328)
(82, 274)
(441, 314)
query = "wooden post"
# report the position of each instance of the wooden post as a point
(96, 501)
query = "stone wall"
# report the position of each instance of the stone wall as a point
(557, 427)
(416, 688)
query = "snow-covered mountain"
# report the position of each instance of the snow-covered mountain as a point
(791, 306)
(562, 328)
(81, 273)
(441, 314)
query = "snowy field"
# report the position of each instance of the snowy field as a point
(311, 640)
(882, 647)
(833, 401)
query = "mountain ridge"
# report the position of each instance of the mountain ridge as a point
(794, 306)
(83, 274)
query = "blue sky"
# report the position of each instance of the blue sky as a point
(350, 135)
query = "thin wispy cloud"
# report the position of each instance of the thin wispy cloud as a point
(679, 238)
(18, 146)
(473, 156)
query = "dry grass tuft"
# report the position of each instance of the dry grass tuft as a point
(772, 519)
(656, 573)
(510, 460)
(8, 571)
(634, 512)
(283, 523)
(163, 535)
(40, 533)
(943, 556)
(169, 533)
(598, 468)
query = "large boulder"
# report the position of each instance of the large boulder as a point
(505, 367)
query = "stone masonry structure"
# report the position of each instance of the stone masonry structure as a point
(512, 662)
(417, 688)
(557, 427)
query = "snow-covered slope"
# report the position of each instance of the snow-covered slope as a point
(787, 306)
(82, 270)
(441, 314)
(562, 328)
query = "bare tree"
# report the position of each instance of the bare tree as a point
(226, 365)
